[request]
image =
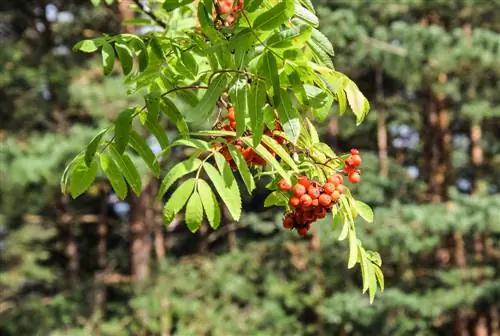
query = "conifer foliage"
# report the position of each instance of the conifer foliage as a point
(243, 86)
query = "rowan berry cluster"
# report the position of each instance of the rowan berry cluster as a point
(251, 158)
(227, 11)
(351, 165)
(310, 200)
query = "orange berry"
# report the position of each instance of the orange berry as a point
(284, 185)
(356, 160)
(340, 188)
(315, 202)
(335, 195)
(294, 201)
(232, 124)
(349, 162)
(306, 200)
(304, 181)
(354, 177)
(230, 114)
(325, 200)
(299, 190)
(313, 192)
(329, 188)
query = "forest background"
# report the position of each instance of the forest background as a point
(101, 266)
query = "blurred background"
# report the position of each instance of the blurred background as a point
(100, 266)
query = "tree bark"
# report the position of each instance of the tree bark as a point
(71, 247)
(141, 219)
(476, 154)
(437, 146)
(102, 251)
(159, 238)
(381, 126)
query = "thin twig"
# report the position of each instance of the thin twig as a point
(150, 13)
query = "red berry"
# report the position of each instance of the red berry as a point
(288, 222)
(356, 160)
(294, 201)
(336, 179)
(335, 195)
(329, 188)
(348, 169)
(306, 200)
(315, 202)
(230, 114)
(349, 162)
(284, 185)
(302, 231)
(299, 190)
(313, 192)
(232, 124)
(340, 188)
(304, 181)
(309, 216)
(354, 151)
(325, 200)
(354, 177)
(320, 213)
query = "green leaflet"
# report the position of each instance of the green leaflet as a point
(178, 200)
(123, 125)
(320, 55)
(82, 177)
(275, 16)
(173, 113)
(127, 168)
(170, 5)
(364, 262)
(205, 107)
(194, 212)
(322, 42)
(353, 249)
(92, 146)
(275, 198)
(114, 175)
(238, 96)
(364, 211)
(176, 172)
(206, 24)
(357, 101)
(194, 143)
(153, 106)
(156, 48)
(108, 58)
(256, 101)
(252, 5)
(372, 282)
(313, 132)
(291, 37)
(289, 117)
(87, 46)
(65, 177)
(380, 277)
(126, 57)
(280, 151)
(245, 173)
(306, 15)
(264, 153)
(142, 148)
(210, 204)
(159, 134)
(225, 170)
(141, 52)
(298, 87)
(230, 195)
(269, 69)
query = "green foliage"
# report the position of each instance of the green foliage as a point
(208, 73)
